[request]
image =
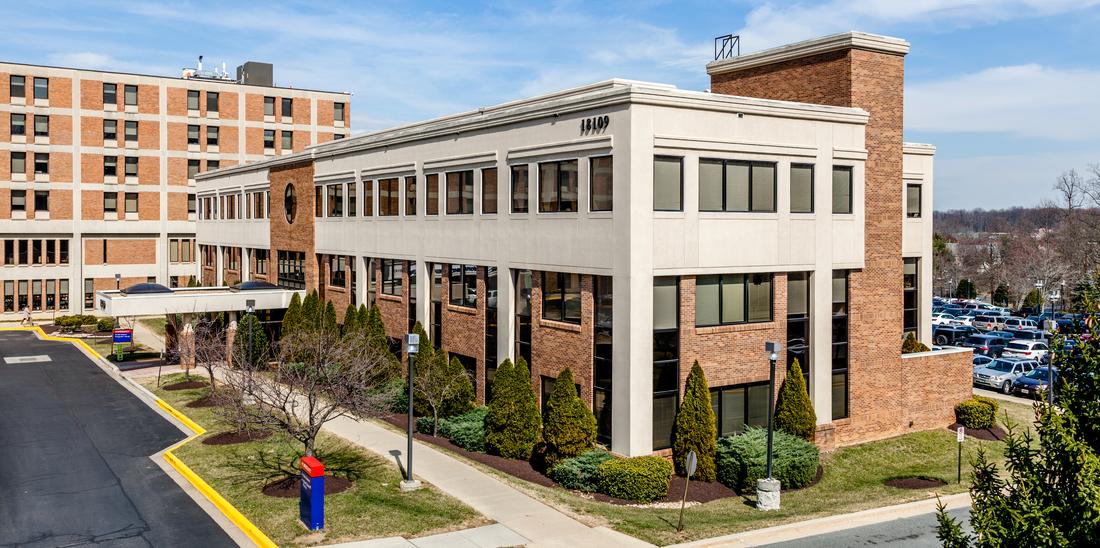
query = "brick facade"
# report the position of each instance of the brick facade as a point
(557, 345)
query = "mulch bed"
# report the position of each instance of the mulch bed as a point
(698, 491)
(185, 385)
(919, 482)
(991, 434)
(290, 488)
(231, 438)
(212, 400)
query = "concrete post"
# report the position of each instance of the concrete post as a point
(506, 313)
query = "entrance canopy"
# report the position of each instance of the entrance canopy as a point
(157, 300)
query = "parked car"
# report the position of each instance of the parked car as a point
(1035, 382)
(966, 318)
(1036, 350)
(951, 335)
(1000, 374)
(988, 322)
(990, 345)
(981, 361)
(1006, 335)
(1019, 323)
(1027, 334)
(942, 318)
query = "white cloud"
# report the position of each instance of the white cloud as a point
(1023, 100)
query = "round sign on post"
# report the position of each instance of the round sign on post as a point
(692, 463)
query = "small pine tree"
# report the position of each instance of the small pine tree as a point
(513, 423)
(351, 321)
(570, 427)
(328, 320)
(696, 428)
(912, 345)
(464, 399)
(250, 347)
(363, 317)
(311, 311)
(292, 318)
(794, 414)
(376, 328)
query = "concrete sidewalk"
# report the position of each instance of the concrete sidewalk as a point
(538, 523)
(146, 336)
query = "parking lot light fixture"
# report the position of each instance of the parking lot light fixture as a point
(767, 489)
(412, 345)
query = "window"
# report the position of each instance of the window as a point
(42, 163)
(63, 252)
(212, 101)
(131, 130)
(89, 293)
(601, 357)
(463, 285)
(338, 111)
(292, 269)
(130, 95)
(666, 358)
(213, 164)
(9, 296)
(36, 251)
(110, 166)
(190, 204)
(269, 106)
(842, 189)
(489, 190)
(287, 106)
(724, 299)
(18, 124)
(192, 168)
(41, 125)
(212, 135)
(558, 186)
(23, 252)
(288, 140)
(9, 251)
(41, 88)
(51, 251)
(460, 192)
(335, 195)
(911, 302)
(269, 138)
(259, 257)
(353, 209)
(192, 99)
(110, 130)
(727, 185)
(410, 196)
(19, 202)
(802, 188)
(600, 184)
(520, 187)
(840, 345)
(110, 93)
(131, 166)
(42, 201)
(110, 202)
(173, 251)
(337, 270)
(192, 135)
(63, 294)
(736, 407)
(668, 184)
(18, 162)
(561, 297)
(131, 202)
(368, 198)
(389, 200)
(431, 207)
(798, 320)
(18, 85)
(912, 201)
(391, 276)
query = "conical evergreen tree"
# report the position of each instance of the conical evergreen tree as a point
(328, 320)
(363, 317)
(696, 428)
(513, 423)
(794, 414)
(464, 399)
(292, 318)
(570, 428)
(311, 311)
(250, 346)
(351, 320)
(376, 329)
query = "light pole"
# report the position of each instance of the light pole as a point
(118, 281)
(412, 344)
(249, 307)
(767, 489)
(1039, 293)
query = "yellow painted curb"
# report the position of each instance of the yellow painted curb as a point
(213, 496)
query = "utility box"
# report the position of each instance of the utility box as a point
(311, 502)
(256, 74)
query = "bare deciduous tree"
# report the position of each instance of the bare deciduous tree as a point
(438, 381)
(318, 376)
(210, 348)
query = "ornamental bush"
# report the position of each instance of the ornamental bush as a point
(467, 430)
(570, 427)
(513, 422)
(250, 347)
(639, 479)
(579, 472)
(351, 320)
(912, 345)
(292, 318)
(794, 414)
(696, 428)
(743, 459)
(975, 414)
(104, 325)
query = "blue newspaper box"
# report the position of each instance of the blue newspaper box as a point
(311, 505)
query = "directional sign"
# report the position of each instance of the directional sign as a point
(123, 335)
(960, 434)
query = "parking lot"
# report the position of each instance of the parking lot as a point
(77, 445)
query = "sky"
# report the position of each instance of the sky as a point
(1008, 90)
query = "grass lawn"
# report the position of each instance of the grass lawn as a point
(853, 481)
(156, 325)
(373, 507)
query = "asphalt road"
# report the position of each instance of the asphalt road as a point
(915, 532)
(74, 457)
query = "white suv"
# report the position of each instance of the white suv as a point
(1020, 323)
(1035, 350)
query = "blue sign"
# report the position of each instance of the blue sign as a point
(123, 335)
(311, 501)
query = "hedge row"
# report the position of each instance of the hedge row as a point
(640, 479)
